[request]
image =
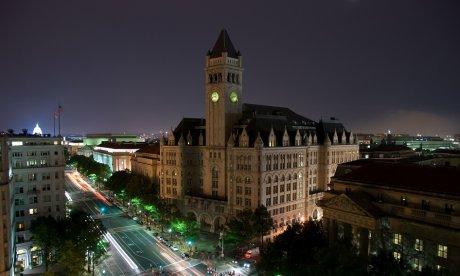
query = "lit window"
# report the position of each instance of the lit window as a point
(418, 244)
(442, 251)
(397, 255)
(397, 238)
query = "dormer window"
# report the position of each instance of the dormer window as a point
(425, 205)
(403, 201)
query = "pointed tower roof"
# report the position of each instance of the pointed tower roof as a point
(223, 44)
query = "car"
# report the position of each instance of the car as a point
(185, 255)
(173, 247)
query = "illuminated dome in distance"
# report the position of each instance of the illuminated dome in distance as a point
(37, 130)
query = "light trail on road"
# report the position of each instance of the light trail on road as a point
(123, 254)
(134, 245)
(83, 185)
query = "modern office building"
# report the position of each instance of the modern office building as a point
(38, 165)
(245, 155)
(407, 208)
(7, 251)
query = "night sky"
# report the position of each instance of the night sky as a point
(137, 66)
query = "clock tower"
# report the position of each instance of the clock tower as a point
(223, 90)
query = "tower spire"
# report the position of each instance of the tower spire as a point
(223, 44)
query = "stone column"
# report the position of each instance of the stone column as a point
(348, 234)
(28, 263)
(355, 236)
(364, 242)
(332, 230)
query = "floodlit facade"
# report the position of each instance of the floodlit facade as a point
(116, 155)
(407, 208)
(7, 253)
(245, 155)
(38, 165)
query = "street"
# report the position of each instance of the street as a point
(133, 249)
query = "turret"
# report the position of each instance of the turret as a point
(343, 138)
(285, 138)
(181, 141)
(335, 138)
(244, 138)
(231, 141)
(298, 138)
(258, 143)
(272, 138)
(171, 138)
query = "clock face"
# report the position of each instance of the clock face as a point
(233, 97)
(214, 96)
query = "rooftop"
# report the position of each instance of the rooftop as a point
(410, 176)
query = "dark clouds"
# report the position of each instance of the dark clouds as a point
(138, 65)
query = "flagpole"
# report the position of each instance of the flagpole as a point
(54, 123)
(59, 120)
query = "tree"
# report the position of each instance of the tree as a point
(46, 235)
(117, 181)
(70, 259)
(240, 228)
(86, 235)
(262, 222)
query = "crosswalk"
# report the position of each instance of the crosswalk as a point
(124, 228)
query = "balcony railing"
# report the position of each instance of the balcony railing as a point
(413, 212)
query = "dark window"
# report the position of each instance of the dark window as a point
(425, 204)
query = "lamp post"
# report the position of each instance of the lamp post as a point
(189, 243)
(221, 237)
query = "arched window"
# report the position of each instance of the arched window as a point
(269, 179)
(233, 78)
(215, 77)
(282, 178)
(228, 77)
(276, 178)
(220, 77)
(237, 78)
(210, 78)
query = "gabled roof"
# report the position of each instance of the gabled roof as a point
(223, 44)
(357, 203)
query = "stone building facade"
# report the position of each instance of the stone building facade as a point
(245, 155)
(406, 208)
(37, 168)
(146, 161)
